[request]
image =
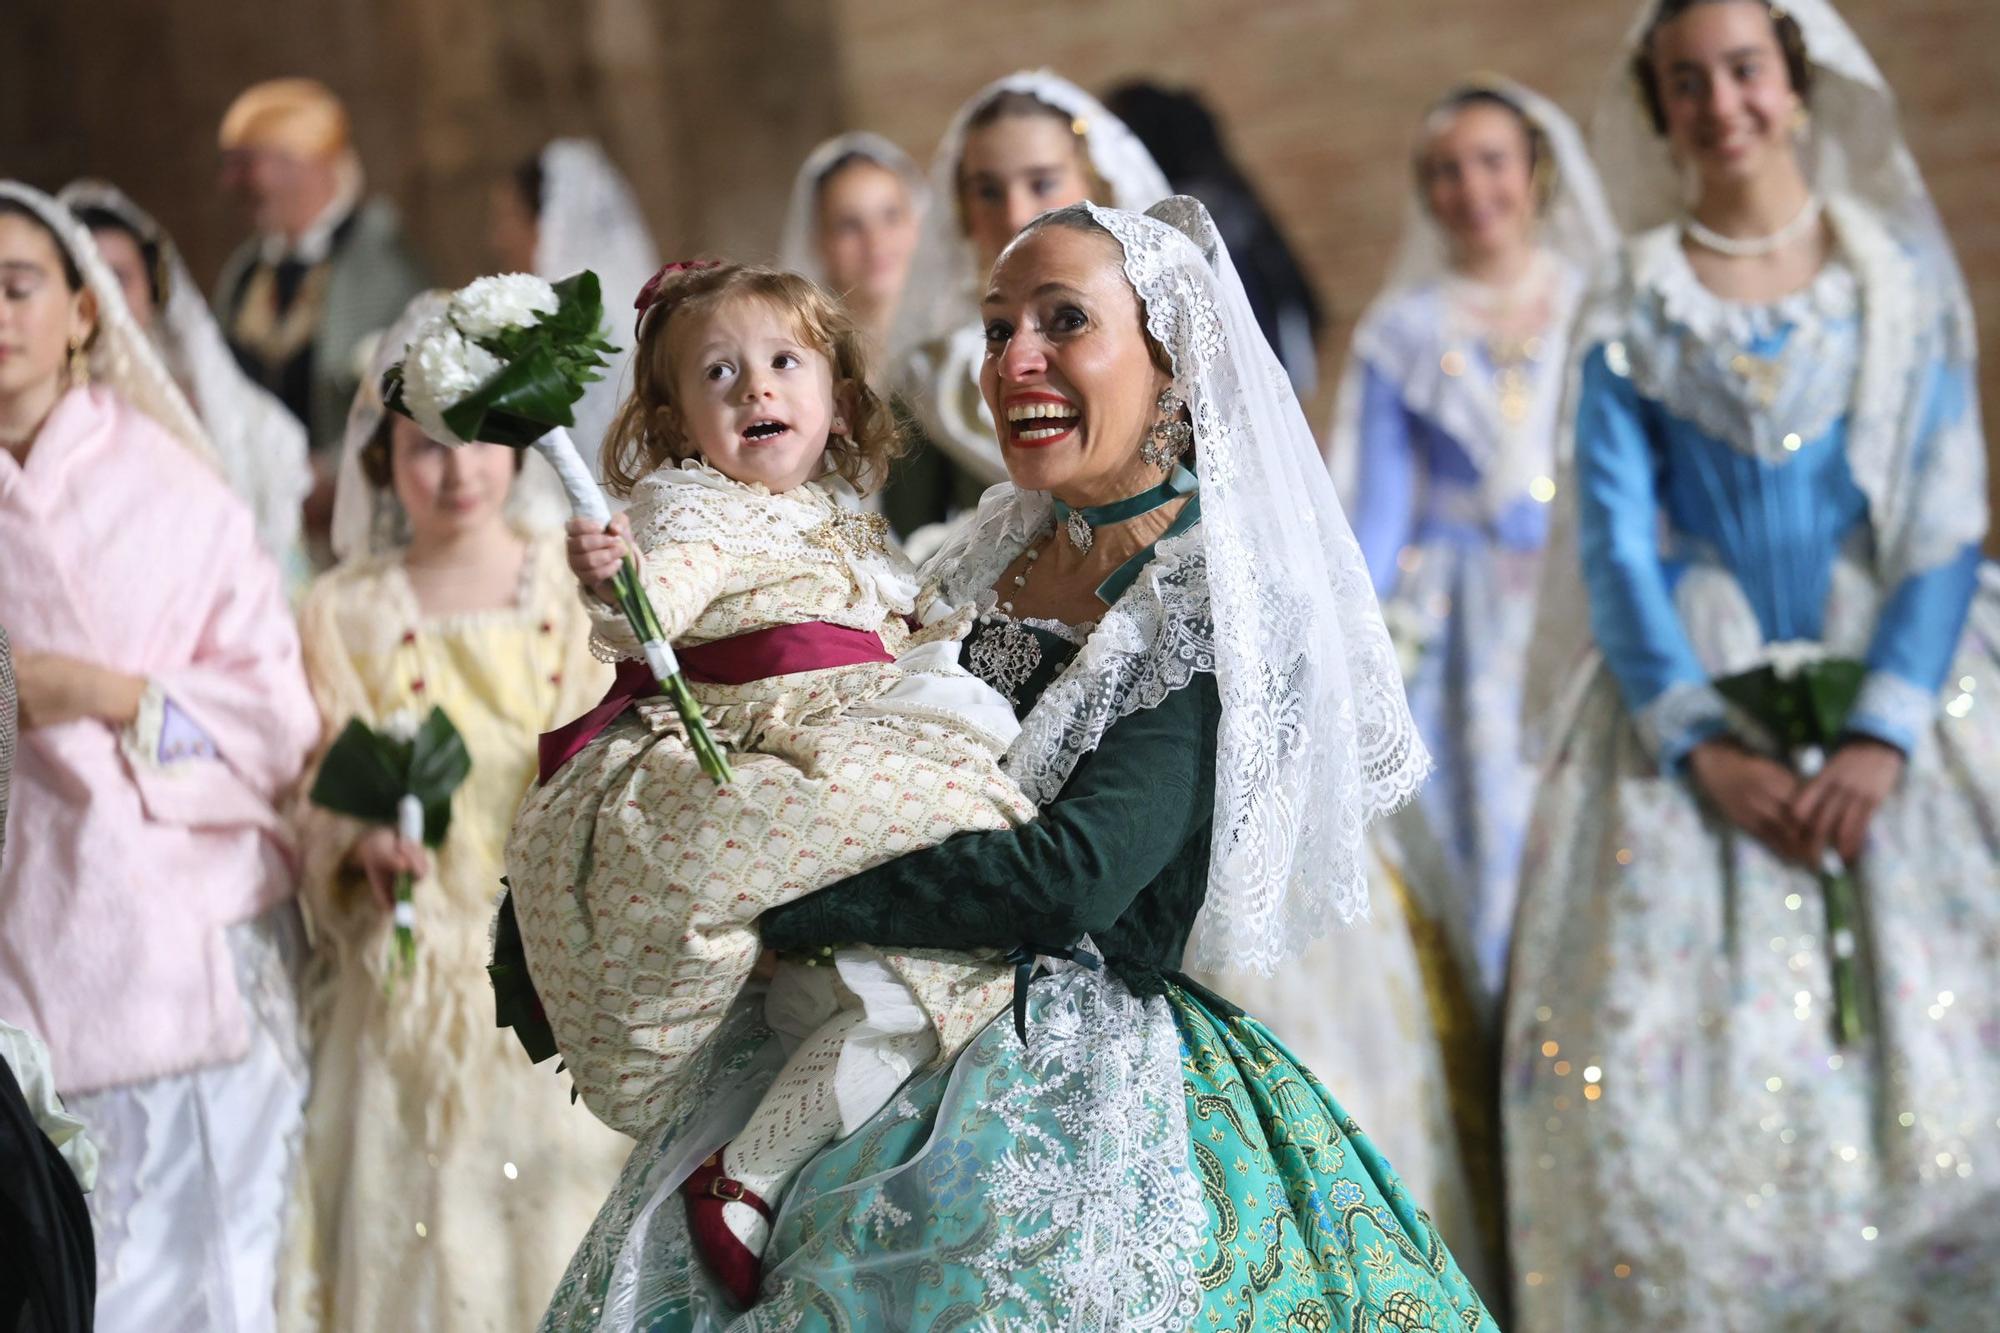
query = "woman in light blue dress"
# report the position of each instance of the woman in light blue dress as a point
(1445, 449)
(1752, 1042)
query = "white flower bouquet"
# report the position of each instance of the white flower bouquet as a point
(505, 363)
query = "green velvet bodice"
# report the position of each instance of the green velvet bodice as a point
(1121, 854)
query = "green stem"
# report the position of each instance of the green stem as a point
(645, 623)
(403, 957)
(1850, 1001)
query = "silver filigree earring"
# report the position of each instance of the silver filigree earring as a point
(1170, 436)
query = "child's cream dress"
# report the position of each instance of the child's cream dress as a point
(637, 880)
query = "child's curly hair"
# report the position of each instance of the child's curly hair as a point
(644, 436)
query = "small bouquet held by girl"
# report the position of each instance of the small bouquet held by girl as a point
(399, 777)
(856, 737)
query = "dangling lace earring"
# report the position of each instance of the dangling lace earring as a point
(79, 366)
(1170, 436)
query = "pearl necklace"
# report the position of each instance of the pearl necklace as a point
(1754, 247)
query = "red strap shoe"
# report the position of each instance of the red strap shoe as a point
(728, 1258)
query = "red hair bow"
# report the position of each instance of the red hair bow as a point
(650, 295)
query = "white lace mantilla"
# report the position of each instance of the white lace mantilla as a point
(1268, 593)
(1689, 349)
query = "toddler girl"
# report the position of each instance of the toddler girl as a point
(636, 880)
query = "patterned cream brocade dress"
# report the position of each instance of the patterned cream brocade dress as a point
(444, 1176)
(636, 880)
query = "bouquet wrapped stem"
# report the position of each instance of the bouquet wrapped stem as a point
(1852, 1020)
(587, 502)
(410, 828)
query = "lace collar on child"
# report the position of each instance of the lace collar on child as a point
(819, 522)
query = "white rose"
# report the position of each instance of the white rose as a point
(441, 367)
(489, 307)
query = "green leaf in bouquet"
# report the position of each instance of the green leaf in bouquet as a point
(580, 310)
(366, 773)
(362, 775)
(439, 765)
(1808, 709)
(1772, 702)
(519, 404)
(1833, 687)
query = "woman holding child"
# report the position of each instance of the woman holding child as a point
(1210, 716)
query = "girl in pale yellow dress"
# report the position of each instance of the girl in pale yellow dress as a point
(854, 736)
(444, 1175)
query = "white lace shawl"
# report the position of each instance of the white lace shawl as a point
(259, 445)
(1409, 336)
(122, 357)
(1268, 593)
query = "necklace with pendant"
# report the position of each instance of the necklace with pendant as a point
(1080, 525)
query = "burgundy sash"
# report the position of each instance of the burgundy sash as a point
(780, 650)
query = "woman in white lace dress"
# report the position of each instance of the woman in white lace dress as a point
(1753, 1045)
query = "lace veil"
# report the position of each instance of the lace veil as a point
(1576, 227)
(259, 444)
(589, 219)
(122, 357)
(798, 250)
(368, 519)
(1926, 497)
(1268, 592)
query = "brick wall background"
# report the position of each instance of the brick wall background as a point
(710, 104)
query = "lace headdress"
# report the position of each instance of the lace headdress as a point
(1576, 226)
(369, 519)
(1926, 498)
(943, 292)
(122, 357)
(798, 248)
(588, 218)
(259, 445)
(1268, 592)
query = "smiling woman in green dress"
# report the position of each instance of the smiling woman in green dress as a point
(1211, 718)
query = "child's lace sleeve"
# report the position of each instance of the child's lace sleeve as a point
(681, 578)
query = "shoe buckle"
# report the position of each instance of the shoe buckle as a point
(729, 1191)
